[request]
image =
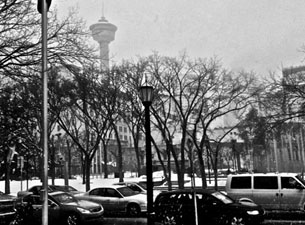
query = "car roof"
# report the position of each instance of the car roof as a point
(51, 185)
(109, 186)
(264, 174)
(125, 182)
(188, 191)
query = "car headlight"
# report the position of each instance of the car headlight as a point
(253, 212)
(82, 210)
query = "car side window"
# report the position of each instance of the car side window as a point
(36, 200)
(97, 191)
(36, 190)
(206, 200)
(289, 183)
(241, 182)
(111, 193)
(265, 182)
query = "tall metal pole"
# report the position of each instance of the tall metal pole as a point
(148, 164)
(190, 148)
(44, 193)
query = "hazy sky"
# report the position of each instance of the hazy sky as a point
(256, 35)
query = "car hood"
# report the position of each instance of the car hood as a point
(83, 204)
(246, 206)
(76, 192)
(6, 197)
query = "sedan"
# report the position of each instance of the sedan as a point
(63, 208)
(213, 207)
(51, 188)
(117, 199)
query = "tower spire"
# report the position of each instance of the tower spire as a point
(103, 11)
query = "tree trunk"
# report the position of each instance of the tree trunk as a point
(120, 155)
(202, 169)
(87, 171)
(105, 161)
(52, 158)
(7, 176)
(83, 160)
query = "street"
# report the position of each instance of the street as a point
(142, 221)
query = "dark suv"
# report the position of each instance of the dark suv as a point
(213, 207)
(7, 208)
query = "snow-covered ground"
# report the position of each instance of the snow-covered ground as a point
(96, 181)
(77, 183)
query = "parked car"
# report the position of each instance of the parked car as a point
(157, 181)
(51, 188)
(117, 199)
(63, 208)
(213, 207)
(138, 187)
(273, 191)
(174, 184)
(7, 208)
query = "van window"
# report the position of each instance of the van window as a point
(289, 183)
(265, 182)
(241, 182)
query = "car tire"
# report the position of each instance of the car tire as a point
(133, 210)
(73, 219)
(237, 220)
(169, 220)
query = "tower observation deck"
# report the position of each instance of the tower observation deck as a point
(103, 32)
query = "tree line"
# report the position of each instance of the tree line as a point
(191, 97)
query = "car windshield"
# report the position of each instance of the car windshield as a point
(142, 185)
(126, 191)
(299, 178)
(64, 198)
(225, 199)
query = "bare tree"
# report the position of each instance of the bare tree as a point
(80, 119)
(192, 95)
(132, 108)
(20, 39)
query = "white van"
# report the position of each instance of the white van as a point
(273, 191)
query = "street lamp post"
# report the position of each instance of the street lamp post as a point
(146, 97)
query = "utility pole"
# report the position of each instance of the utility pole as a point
(42, 7)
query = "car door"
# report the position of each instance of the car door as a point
(53, 210)
(113, 198)
(99, 195)
(266, 191)
(292, 193)
(208, 208)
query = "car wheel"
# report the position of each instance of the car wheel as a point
(133, 210)
(237, 220)
(169, 220)
(73, 219)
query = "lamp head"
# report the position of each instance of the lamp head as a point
(146, 91)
